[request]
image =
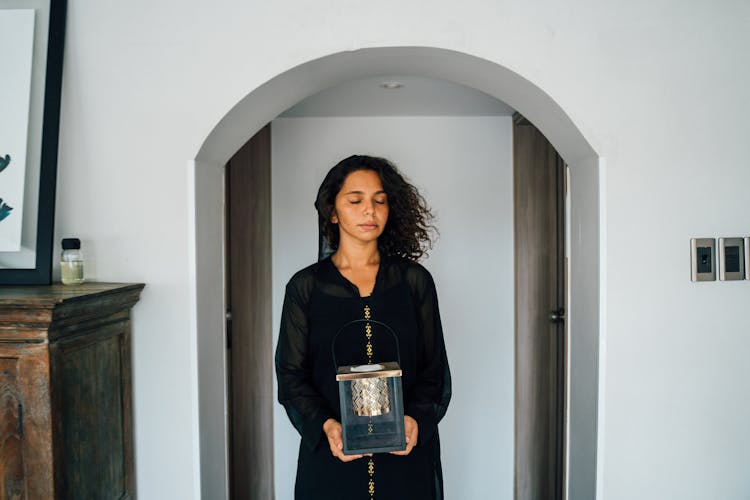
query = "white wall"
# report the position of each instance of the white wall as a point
(658, 88)
(463, 166)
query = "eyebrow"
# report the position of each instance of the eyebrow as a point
(362, 192)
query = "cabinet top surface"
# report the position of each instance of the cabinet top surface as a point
(51, 295)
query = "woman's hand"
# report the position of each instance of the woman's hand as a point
(411, 429)
(333, 432)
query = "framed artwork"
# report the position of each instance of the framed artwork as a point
(32, 34)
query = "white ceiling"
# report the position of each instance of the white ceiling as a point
(417, 97)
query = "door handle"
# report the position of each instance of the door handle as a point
(557, 315)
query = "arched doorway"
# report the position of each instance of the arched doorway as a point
(266, 102)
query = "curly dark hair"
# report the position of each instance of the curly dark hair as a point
(408, 232)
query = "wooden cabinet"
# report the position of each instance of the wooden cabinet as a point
(65, 391)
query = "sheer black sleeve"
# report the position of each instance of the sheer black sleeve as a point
(431, 393)
(305, 406)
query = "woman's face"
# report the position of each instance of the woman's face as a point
(361, 208)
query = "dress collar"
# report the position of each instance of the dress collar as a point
(333, 275)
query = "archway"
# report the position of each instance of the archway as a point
(266, 102)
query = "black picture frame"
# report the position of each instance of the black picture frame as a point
(41, 274)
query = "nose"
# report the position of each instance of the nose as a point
(368, 207)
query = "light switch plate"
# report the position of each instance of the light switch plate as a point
(731, 259)
(703, 259)
(747, 257)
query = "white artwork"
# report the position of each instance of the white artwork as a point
(16, 56)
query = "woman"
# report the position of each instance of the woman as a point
(377, 226)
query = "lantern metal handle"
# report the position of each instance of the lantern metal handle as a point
(362, 320)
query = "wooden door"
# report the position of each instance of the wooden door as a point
(249, 341)
(539, 199)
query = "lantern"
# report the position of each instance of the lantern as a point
(371, 400)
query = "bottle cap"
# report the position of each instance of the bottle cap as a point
(71, 244)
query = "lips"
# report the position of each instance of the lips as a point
(368, 226)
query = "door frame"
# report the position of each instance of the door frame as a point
(206, 209)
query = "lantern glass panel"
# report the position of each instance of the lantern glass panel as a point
(372, 411)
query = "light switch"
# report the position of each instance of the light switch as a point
(731, 259)
(702, 261)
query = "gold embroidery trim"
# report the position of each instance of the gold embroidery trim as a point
(368, 335)
(370, 427)
(371, 482)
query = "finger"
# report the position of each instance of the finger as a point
(338, 452)
(349, 458)
(336, 442)
(402, 453)
(336, 447)
(410, 443)
(399, 453)
(409, 447)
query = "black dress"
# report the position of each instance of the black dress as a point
(319, 300)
